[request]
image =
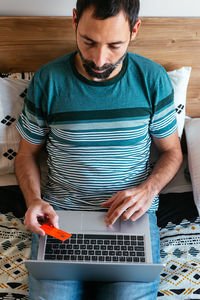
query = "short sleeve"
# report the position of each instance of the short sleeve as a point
(32, 124)
(163, 120)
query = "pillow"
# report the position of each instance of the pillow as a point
(180, 183)
(192, 129)
(12, 93)
(180, 79)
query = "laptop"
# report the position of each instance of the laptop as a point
(95, 252)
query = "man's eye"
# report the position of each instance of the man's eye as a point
(114, 47)
(89, 43)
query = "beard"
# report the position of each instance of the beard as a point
(107, 69)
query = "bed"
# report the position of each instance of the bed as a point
(26, 43)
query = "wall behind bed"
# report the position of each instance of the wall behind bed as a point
(154, 8)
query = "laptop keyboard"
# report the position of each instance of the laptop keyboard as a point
(97, 248)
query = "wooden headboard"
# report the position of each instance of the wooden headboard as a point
(28, 42)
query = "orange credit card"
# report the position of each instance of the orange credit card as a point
(55, 232)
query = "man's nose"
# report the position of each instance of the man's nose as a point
(100, 56)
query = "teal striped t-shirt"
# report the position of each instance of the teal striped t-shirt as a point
(97, 134)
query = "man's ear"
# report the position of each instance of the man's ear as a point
(135, 29)
(75, 19)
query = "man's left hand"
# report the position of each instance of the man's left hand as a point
(129, 204)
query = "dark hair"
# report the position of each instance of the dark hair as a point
(104, 9)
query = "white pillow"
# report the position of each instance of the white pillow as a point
(12, 93)
(192, 131)
(180, 79)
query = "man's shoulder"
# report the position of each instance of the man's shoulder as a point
(144, 63)
(55, 66)
(151, 74)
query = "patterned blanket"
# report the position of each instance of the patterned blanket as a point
(180, 251)
(14, 249)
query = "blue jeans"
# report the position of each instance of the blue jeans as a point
(77, 290)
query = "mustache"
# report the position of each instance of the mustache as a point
(92, 65)
(105, 67)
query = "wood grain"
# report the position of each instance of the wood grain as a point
(173, 42)
(26, 43)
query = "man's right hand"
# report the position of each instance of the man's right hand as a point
(39, 211)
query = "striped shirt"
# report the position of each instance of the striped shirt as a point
(97, 134)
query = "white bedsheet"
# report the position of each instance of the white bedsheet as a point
(8, 179)
(179, 184)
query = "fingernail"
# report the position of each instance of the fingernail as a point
(108, 223)
(42, 233)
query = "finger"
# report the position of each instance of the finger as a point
(109, 201)
(115, 215)
(117, 200)
(118, 211)
(130, 211)
(135, 216)
(51, 217)
(35, 227)
(31, 222)
(123, 197)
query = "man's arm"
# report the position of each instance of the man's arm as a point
(133, 203)
(28, 175)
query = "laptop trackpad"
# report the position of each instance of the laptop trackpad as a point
(75, 221)
(95, 222)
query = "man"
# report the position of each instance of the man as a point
(96, 111)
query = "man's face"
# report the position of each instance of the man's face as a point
(94, 71)
(101, 44)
